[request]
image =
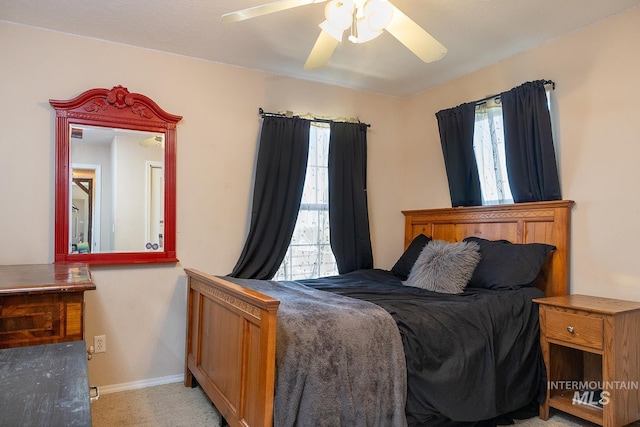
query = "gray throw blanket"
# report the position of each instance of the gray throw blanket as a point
(339, 360)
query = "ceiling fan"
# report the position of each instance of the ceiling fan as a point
(153, 141)
(366, 20)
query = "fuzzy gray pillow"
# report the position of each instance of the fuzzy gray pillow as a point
(444, 267)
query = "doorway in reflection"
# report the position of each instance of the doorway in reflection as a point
(84, 182)
(155, 206)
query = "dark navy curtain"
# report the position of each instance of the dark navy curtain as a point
(456, 137)
(279, 181)
(531, 158)
(348, 210)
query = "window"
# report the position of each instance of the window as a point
(309, 254)
(488, 147)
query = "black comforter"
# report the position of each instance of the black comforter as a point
(470, 357)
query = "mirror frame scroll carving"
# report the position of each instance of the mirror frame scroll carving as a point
(114, 108)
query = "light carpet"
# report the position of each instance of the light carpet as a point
(174, 405)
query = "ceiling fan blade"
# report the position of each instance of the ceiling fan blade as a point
(321, 52)
(265, 9)
(414, 37)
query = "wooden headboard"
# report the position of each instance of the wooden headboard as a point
(538, 222)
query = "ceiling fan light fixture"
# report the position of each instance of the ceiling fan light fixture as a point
(331, 30)
(369, 19)
(339, 14)
(378, 14)
(154, 141)
(363, 32)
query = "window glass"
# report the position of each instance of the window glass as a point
(309, 254)
(488, 146)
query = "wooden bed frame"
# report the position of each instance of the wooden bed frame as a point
(231, 331)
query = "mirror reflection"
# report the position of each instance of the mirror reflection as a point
(117, 190)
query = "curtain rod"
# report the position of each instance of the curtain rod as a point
(313, 118)
(545, 82)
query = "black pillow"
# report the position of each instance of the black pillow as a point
(403, 266)
(506, 265)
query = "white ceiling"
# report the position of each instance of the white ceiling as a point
(476, 32)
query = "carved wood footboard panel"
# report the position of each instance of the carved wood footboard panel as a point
(230, 349)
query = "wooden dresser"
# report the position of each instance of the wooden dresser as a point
(42, 303)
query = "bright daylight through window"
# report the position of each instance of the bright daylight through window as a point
(309, 254)
(488, 146)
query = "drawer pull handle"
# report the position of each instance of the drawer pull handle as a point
(570, 329)
(94, 393)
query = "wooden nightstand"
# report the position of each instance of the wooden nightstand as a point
(591, 343)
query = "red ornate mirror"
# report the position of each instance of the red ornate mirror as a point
(115, 179)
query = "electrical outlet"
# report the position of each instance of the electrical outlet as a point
(100, 343)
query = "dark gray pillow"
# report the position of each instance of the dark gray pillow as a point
(403, 266)
(444, 267)
(506, 265)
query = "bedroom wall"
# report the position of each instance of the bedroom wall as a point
(141, 309)
(595, 108)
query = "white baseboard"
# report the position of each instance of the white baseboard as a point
(114, 388)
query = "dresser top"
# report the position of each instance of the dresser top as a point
(590, 303)
(45, 385)
(31, 278)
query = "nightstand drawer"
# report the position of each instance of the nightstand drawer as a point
(575, 328)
